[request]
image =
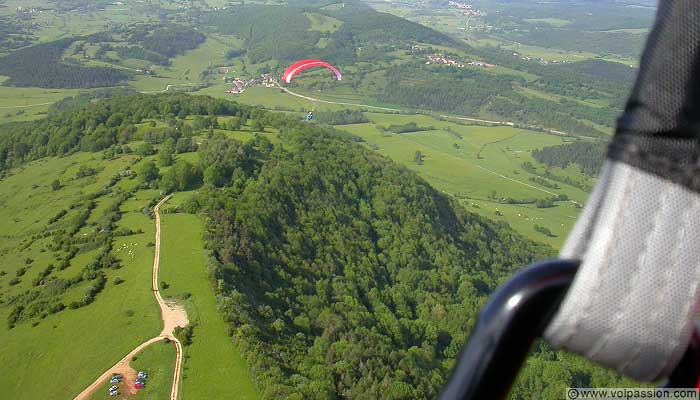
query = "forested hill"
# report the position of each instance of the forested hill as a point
(272, 32)
(41, 66)
(341, 272)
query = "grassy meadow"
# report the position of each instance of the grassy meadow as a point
(72, 347)
(213, 367)
(470, 163)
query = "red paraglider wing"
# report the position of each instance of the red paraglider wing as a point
(299, 66)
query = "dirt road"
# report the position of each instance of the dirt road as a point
(172, 314)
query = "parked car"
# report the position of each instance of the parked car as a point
(115, 380)
(113, 388)
(114, 393)
(139, 386)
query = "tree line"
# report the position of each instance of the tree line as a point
(472, 92)
(588, 156)
(42, 66)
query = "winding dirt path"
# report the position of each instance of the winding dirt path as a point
(172, 314)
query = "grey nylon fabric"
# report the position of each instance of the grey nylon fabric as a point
(632, 302)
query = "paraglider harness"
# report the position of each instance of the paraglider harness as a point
(627, 287)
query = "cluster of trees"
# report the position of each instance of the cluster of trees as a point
(173, 40)
(408, 128)
(544, 230)
(82, 6)
(583, 184)
(184, 334)
(181, 176)
(544, 182)
(549, 201)
(47, 295)
(101, 125)
(84, 171)
(442, 88)
(13, 34)
(41, 65)
(138, 52)
(589, 156)
(342, 117)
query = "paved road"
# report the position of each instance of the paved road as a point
(172, 316)
(485, 121)
(167, 88)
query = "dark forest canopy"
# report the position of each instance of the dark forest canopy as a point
(588, 156)
(171, 41)
(370, 26)
(342, 117)
(282, 33)
(42, 66)
(342, 274)
(470, 92)
(13, 34)
(269, 32)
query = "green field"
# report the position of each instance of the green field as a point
(22, 104)
(213, 367)
(484, 160)
(73, 347)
